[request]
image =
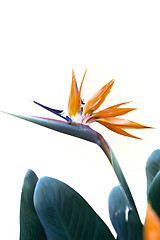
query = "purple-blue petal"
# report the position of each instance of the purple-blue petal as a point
(77, 87)
(55, 111)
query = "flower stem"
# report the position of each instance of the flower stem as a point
(117, 169)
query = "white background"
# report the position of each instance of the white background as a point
(40, 42)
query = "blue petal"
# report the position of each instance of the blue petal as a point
(77, 87)
(55, 111)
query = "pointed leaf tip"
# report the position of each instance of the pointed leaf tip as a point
(30, 226)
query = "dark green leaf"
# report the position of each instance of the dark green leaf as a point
(65, 215)
(123, 217)
(154, 194)
(135, 227)
(152, 167)
(30, 226)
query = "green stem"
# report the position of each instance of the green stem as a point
(117, 169)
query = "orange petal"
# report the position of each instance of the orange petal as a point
(112, 112)
(122, 123)
(116, 129)
(82, 82)
(118, 105)
(98, 98)
(152, 225)
(74, 103)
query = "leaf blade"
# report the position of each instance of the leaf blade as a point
(65, 215)
(152, 167)
(124, 219)
(154, 194)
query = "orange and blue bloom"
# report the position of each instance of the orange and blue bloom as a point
(86, 113)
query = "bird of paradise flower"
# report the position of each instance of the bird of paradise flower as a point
(81, 115)
(87, 114)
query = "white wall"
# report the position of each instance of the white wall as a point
(40, 43)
